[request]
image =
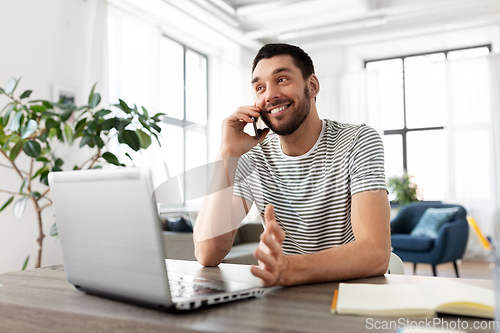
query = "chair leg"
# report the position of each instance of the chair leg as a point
(434, 270)
(456, 268)
(414, 268)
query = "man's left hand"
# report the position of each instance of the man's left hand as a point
(272, 263)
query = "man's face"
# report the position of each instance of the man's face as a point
(282, 94)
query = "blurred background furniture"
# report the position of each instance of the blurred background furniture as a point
(448, 244)
(396, 265)
(179, 245)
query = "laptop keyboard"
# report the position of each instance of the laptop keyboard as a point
(186, 286)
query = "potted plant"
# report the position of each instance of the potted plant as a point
(404, 190)
(32, 127)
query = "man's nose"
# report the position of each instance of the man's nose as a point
(272, 93)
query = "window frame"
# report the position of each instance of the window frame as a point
(405, 130)
(184, 123)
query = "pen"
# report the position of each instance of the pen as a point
(333, 308)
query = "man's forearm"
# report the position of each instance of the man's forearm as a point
(216, 224)
(357, 259)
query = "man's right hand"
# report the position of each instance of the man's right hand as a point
(235, 142)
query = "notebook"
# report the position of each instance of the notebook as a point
(423, 299)
(112, 244)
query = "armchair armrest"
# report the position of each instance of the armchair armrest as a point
(451, 241)
(397, 225)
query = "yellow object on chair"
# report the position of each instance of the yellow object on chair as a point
(484, 241)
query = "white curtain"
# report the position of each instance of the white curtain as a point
(473, 135)
(134, 67)
(473, 125)
(359, 99)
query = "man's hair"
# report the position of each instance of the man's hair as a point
(300, 58)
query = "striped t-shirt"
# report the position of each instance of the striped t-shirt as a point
(312, 193)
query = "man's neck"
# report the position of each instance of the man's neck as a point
(304, 138)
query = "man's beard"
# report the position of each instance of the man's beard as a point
(302, 111)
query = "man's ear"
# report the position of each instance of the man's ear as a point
(313, 85)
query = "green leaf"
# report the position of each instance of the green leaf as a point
(26, 263)
(144, 139)
(108, 124)
(10, 107)
(145, 124)
(92, 92)
(124, 106)
(53, 230)
(32, 148)
(35, 194)
(38, 108)
(40, 171)
(44, 177)
(131, 139)
(126, 154)
(2, 91)
(30, 128)
(42, 159)
(56, 168)
(86, 140)
(111, 158)
(94, 100)
(92, 127)
(6, 203)
(98, 141)
(52, 123)
(47, 104)
(15, 123)
(102, 113)
(23, 184)
(158, 116)
(19, 207)
(145, 112)
(11, 86)
(157, 139)
(26, 94)
(66, 114)
(156, 128)
(16, 150)
(58, 162)
(5, 119)
(53, 132)
(80, 126)
(122, 124)
(68, 132)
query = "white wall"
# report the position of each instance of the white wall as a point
(60, 43)
(332, 60)
(48, 43)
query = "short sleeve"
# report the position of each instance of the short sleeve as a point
(366, 163)
(243, 171)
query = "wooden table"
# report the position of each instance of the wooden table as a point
(41, 300)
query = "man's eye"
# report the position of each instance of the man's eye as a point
(282, 79)
(259, 88)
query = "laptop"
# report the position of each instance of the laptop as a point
(112, 244)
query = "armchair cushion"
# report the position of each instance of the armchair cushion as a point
(432, 221)
(407, 242)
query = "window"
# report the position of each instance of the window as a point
(184, 98)
(149, 69)
(412, 92)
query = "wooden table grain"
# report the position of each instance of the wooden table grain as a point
(41, 300)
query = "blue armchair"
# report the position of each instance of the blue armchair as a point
(448, 246)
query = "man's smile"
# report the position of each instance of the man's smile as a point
(278, 110)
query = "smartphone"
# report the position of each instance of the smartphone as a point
(257, 136)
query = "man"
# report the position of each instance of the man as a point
(318, 183)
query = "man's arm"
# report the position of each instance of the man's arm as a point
(367, 255)
(221, 213)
